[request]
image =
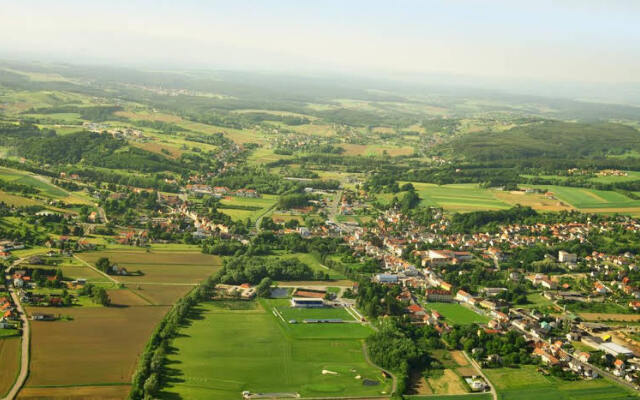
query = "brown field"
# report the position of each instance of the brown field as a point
(533, 200)
(160, 295)
(153, 257)
(448, 383)
(148, 116)
(76, 393)
(634, 211)
(419, 385)
(157, 148)
(97, 346)
(127, 298)
(9, 362)
(459, 358)
(363, 150)
(610, 317)
(160, 266)
(467, 371)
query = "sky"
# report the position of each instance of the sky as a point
(570, 40)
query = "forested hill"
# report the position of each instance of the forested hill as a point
(548, 139)
(92, 149)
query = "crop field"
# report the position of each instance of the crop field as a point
(525, 383)
(175, 267)
(601, 200)
(457, 314)
(159, 148)
(375, 149)
(454, 198)
(10, 361)
(473, 396)
(448, 383)
(104, 392)
(536, 201)
(42, 183)
(97, 346)
(248, 207)
(253, 352)
(160, 295)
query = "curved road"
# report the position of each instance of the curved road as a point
(26, 337)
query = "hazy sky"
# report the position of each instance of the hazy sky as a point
(580, 40)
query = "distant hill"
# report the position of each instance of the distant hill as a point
(548, 139)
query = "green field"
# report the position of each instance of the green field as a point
(225, 351)
(312, 262)
(299, 314)
(525, 383)
(246, 207)
(454, 198)
(457, 314)
(473, 396)
(584, 198)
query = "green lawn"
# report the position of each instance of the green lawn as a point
(457, 314)
(526, 383)
(299, 314)
(225, 351)
(313, 262)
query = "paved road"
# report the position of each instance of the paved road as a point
(26, 337)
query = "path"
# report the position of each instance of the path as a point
(473, 362)
(394, 384)
(26, 337)
(112, 279)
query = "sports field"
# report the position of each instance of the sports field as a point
(299, 314)
(525, 383)
(457, 314)
(225, 351)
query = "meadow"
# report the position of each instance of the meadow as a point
(313, 262)
(299, 314)
(525, 383)
(457, 314)
(242, 208)
(223, 352)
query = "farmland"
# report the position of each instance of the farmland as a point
(242, 208)
(102, 344)
(456, 313)
(254, 352)
(525, 383)
(10, 360)
(99, 346)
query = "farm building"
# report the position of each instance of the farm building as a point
(615, 349)
(300, 302)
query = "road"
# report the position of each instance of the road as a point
(473, 362)
(26, 337)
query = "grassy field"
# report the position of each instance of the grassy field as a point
(224, 352)
(42, 183)
(483, 396)
(312, 262)
(454, 198)
(594, 200)
(527, 384)
(299, 314)
(457, 314)
(10, 360)
(253, 207)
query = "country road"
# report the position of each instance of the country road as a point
(26, 337)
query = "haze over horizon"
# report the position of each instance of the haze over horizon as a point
(575, 41)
